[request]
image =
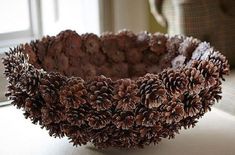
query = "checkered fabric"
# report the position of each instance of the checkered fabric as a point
(208, 20)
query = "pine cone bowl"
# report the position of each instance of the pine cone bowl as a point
(122, 90)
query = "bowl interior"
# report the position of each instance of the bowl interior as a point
(121, 55)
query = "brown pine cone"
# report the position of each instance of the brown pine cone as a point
(175, 81)
(150, 134)
(73, 93)
(77, 135)
(108, 41)
(172, 112)
(158, 43)
(62, 63)
(124, 139)
(119, 70)
(209, 96)
(138, 70)
(195, 79)
(29, 81)
(98, 59)
(88, 71)
(33, 59)
(49, 116)
(152, 91)
(105, 69)
(142, 40)
(189, 122)
(208, 70)
(192, 104)
(100, 93)
(116, 55)
(40, 47)
(221, 62)
(76, 117)
(50, 86)
(49, 64)
(126, 39)
(32, 108)
(187, 47)
(123, 119)
(126, 94)
(178, 61)
(73, 44)
(150, 58)
(63, 42)
(134, 55)
(154, 69)
(98, 120)
(91, 43)
(173, 44)
(147, 117)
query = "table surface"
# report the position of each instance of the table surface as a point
(213, 135)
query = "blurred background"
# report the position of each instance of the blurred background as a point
(211, 20)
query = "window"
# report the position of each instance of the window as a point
(25, 20)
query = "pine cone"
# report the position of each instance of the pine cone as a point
(73, 93)
(52, 116)
(126, 94)
(195, 79)
(200, 50)
(150, 134)
(172, 112)
(178, 61)
(147, 117)
(124, 139)
(98, 120)
(192, 104)
(91, 42)
(126, 39)
(142, 40)
(150, 58)
(77, 135)
(29, 81)
(187, 47)
(109, 42)
(13, 63)
(49, 88)
(73, 45)
(152, 91)
(134, 55)
(116, 55)
(33, 109)
(209, 96)
(221, 62)
(139, 69)
(54, 130)
(173, 44)
(119, 70)
(175, 81)
(100, 93)
(158, 43)
(76, 117)
(189, 122)
(208, 70)
(123, 119)
(33, 59)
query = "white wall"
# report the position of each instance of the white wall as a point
(130, 14)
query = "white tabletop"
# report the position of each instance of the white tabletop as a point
(213, 135)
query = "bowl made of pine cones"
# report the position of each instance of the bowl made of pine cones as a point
(120, 90)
